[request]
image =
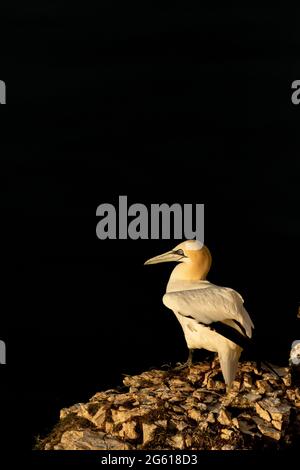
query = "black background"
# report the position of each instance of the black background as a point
(167, 104)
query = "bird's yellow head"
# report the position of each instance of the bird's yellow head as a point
(195, 255)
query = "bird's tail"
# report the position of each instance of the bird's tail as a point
(229, 359)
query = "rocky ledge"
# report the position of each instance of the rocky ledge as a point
(161, 409)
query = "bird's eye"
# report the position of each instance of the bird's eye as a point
(179, 252)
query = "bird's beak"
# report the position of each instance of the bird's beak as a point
(164, 258)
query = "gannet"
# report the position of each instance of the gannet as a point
(202, 307)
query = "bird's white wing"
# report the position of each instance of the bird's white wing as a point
(212, 304)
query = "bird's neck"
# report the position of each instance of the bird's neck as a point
(189, 272)
(186, 276)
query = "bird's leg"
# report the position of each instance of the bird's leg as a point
(188, 363)
(214, 361)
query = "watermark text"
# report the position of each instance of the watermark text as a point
(159, 221)
(2, 92)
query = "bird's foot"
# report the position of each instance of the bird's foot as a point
(188, 363)
(183, 366)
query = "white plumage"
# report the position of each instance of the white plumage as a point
(198, 305)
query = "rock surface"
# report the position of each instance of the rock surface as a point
(161, 409)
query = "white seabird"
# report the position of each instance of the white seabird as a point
(201, 306)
